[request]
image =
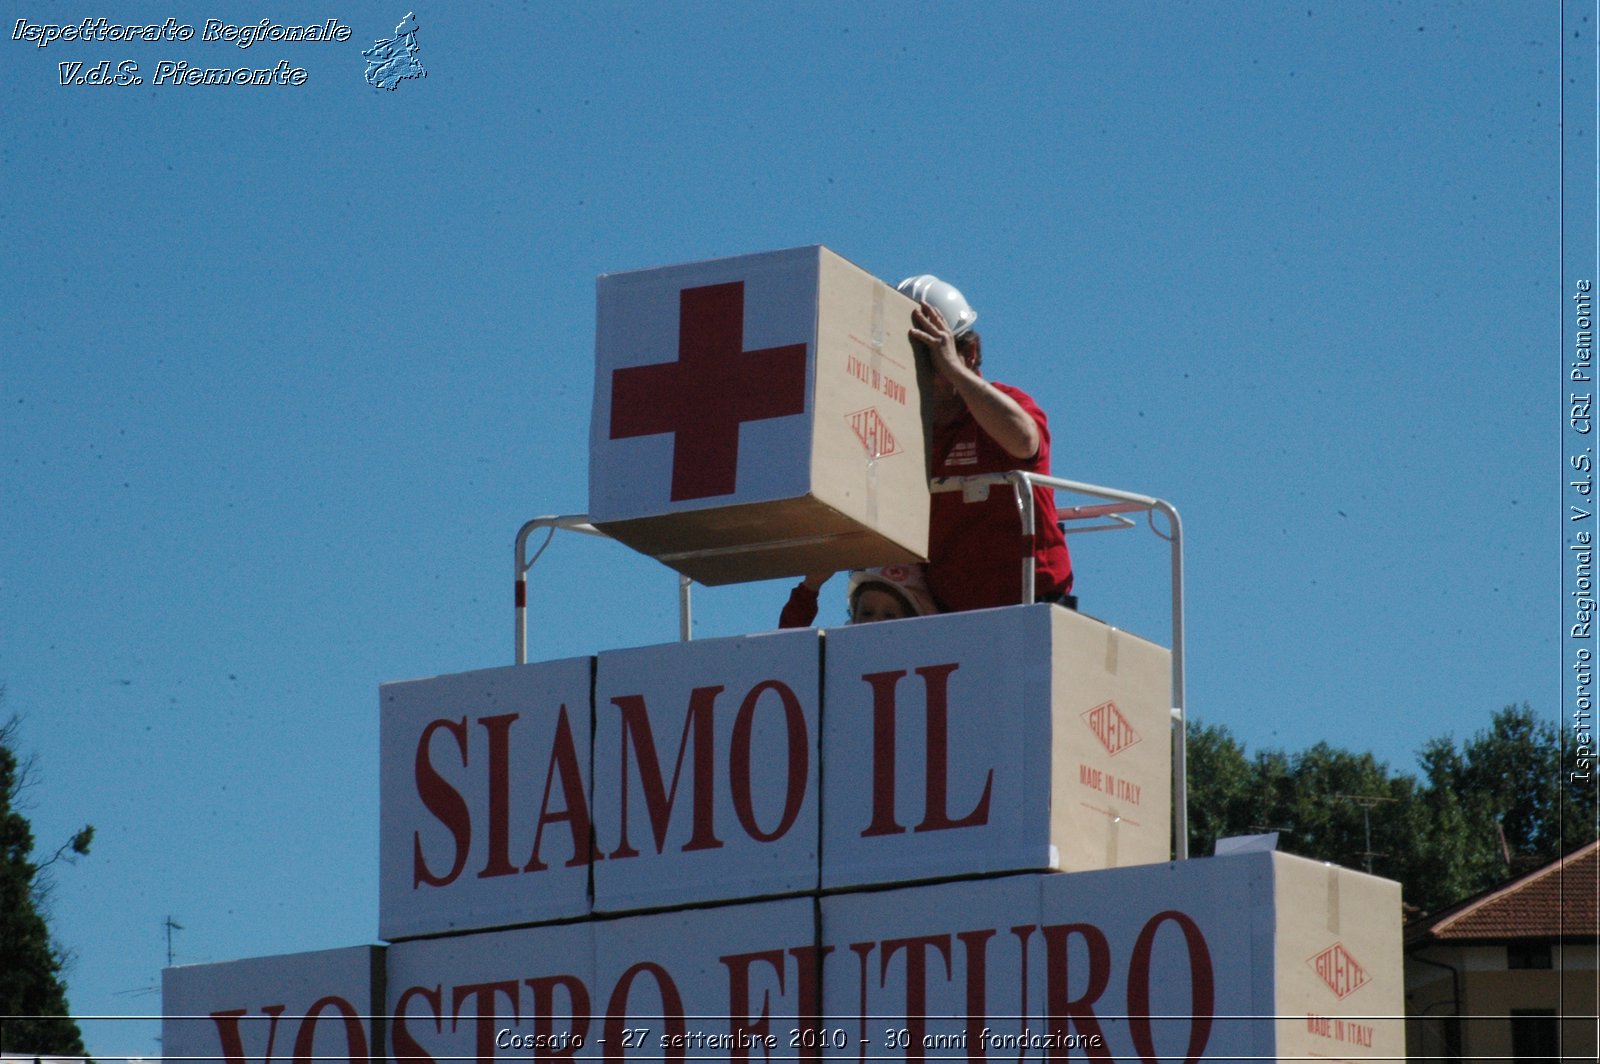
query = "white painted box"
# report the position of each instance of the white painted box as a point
(758, 416)
(1256, 957)
(323, 1005)
(735, 983)
(1027, 737)
(484, 799)
(705, 771)
(526, 993)
(952, 971)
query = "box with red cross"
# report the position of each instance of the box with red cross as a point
(758, 417)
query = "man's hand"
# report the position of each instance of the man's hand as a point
(929, 329)
(994, 411)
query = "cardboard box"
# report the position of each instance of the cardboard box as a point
(724, 983)
(1260, 956)
(1339, 962)
(484, 799)
(525, 994)
(1015, 739)
(1025, 737)
(728, 983)
(758, 417)
(323, 1005)
(705, 771)
(1254, 957)
(934, 973)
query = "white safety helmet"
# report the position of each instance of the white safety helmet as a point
(926, 288)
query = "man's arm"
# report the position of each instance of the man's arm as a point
(996, 413)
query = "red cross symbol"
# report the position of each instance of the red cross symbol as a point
(713, 387)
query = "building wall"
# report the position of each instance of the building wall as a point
(1490, 992)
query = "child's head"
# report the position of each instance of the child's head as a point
(876, 602)
(889, 593)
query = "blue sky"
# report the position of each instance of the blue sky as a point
(285, 368)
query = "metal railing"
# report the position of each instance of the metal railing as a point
(1112, 513)
(571, 523)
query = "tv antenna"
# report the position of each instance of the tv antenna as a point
(170, 925)
(1367, 802)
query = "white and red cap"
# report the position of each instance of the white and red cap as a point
(906, 581)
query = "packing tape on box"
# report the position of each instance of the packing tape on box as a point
(875, 360)
(878, 332)
(872, 490)
(1333, 899)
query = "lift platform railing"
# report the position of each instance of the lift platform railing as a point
(1111, 514)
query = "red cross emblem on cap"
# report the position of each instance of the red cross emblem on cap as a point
(713, 388)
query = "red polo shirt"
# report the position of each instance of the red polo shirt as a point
(975, 549)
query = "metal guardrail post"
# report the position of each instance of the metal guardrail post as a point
(1180, 717)
(685, 615)
(1022, 488)
(570, 522)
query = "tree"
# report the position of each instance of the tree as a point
(33, 998)
(1220, 784)
(1517, 805)
(1499, 804)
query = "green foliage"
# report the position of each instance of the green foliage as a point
(1439, 833)
(33, 999)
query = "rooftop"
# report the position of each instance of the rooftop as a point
(1560, 900)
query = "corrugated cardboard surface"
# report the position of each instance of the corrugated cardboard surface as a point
(1181, 963)
(842, 485)
(878, 481)
(1023, 738)
(942, 964)
(1199, 959)
(637, 324)
(1340, 980)
(1111, 781)
(708, 973)
(957, 792)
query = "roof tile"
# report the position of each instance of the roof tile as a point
(1560, 900)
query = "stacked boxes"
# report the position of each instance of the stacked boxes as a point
(944, 837)
(732, 769)
(882, 816)
(324, 1004)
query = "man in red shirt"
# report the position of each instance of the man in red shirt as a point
(975, 549)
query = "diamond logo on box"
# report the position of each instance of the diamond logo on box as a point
(1111, 728)
(873, 432)
(1336, 967)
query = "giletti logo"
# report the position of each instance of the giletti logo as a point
(1111, 728)
(1339, 970)
(873, 433)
